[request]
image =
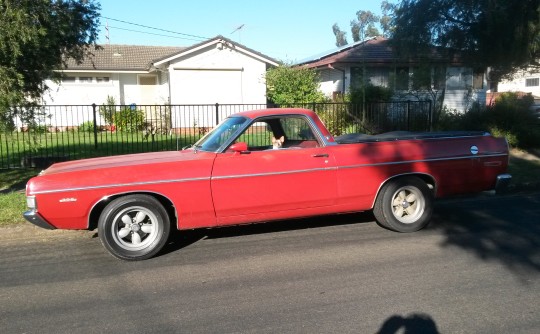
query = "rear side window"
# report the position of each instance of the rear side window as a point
(297, 129)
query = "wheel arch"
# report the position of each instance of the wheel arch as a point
(427, 178)
(100, 205)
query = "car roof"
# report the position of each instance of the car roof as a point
(275, 111)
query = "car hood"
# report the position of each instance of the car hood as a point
(123, 170)
(121, 161)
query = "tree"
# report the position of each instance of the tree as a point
(364, 26)
(36, 39)
(385, 20)
(293, 85)
(500, 34)
(341, 36)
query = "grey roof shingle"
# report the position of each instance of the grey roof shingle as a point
(115, 57)
(377, 50)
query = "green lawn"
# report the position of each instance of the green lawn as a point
(73, 145)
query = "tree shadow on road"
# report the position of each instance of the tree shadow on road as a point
(501, 228)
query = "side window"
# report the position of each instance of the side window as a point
(279, 133)
(257, 136)
(298, 133)
(296, 129)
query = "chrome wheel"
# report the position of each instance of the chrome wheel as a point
(134, 228)
(408, 204)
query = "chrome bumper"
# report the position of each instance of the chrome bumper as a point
(502, 183)
(36, 219)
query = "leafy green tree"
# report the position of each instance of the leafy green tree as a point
(364, 26)
(500, 34)
(36, 39)
(341, 36)
(293, 85)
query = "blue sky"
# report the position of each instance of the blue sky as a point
(285, 30)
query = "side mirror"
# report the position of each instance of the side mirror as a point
(240, 147)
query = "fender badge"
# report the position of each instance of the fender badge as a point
(70, 199)
(474, 150)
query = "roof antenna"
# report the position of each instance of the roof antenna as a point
(107, 33)
(239, 29)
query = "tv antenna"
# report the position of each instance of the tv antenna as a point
(239, 29)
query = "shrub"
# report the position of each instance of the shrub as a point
(509, 117)
(108, 109)
(129, 119)
(87, 126)
(372, 93)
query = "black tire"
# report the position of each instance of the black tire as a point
(404, 205)
(134, 227)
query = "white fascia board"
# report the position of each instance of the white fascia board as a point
(102, 71)
(181, 53)
(236, 47)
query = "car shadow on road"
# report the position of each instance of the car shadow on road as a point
(181, 239)
(504, 229)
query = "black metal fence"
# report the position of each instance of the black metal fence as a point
(60, 133)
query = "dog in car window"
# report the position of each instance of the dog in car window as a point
(277, 143)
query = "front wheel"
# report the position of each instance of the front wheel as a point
(404, 205)
(134, 227)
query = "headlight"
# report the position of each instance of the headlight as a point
(31, 202)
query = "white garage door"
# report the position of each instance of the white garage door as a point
(202, 86)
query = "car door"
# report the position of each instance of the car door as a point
(273, 180)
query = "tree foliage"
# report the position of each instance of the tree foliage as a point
(292, 85)
(500, 34)
(365, 25)
(36, 39)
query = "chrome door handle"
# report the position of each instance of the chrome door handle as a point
(323, 155)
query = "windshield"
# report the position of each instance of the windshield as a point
(221, 134)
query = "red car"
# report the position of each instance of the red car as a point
(260, 166)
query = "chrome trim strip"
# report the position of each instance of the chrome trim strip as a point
(424, 160)
(263, 174)
(120, 185)
(274, 173)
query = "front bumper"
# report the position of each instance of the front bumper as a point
(503, 180)
(36, 219)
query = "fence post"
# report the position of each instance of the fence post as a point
(95, 124)
(217, 114)
(430, 116)
(408, 115)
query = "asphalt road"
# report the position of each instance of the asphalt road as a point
(475, 269)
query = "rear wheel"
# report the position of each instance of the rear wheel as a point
(404, 205)
(134, 227)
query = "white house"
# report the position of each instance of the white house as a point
(525, 81)
(215, 71)
(341, 68)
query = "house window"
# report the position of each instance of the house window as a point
(147, 80)
(439, 77)
(532, 82)
(69, 79)
(478, 80)
(85, 79)
(459, 78)
(102, 79)
(357, 76)
(402, 78)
